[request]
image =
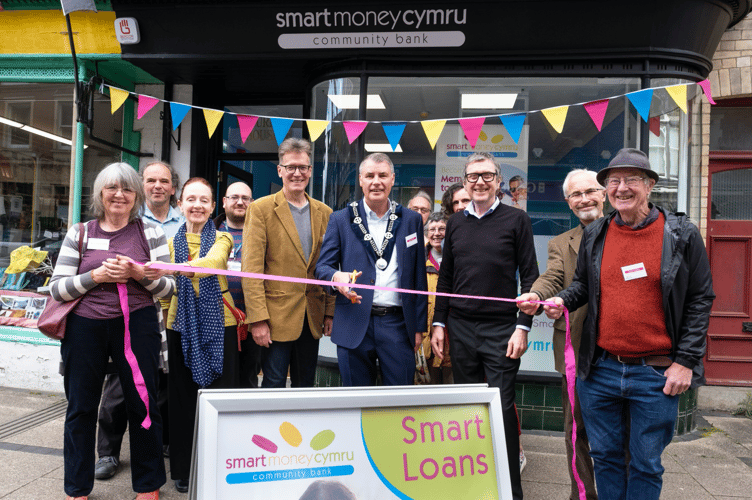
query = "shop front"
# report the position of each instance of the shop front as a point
(409, 78)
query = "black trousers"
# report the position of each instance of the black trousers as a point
(184, 394)
(479, 351)
(87, 346)
(113, 419)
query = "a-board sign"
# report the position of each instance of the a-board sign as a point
(422, 442)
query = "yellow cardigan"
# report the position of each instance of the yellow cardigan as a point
(216, 258)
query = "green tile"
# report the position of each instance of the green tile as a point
(518, 391)
(680, 422)
(533, 395)
(553, 421)
(532, 419)
(690, 422)
(553, 396)
(683, 403)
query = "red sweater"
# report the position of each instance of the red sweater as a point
(631, 319)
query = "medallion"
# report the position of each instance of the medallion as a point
(381, 264)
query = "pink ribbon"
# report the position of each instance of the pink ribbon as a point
(138, 377)
(569, 360)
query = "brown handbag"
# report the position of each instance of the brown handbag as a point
(52, 321)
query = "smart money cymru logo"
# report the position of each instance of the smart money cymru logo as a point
(299, 463)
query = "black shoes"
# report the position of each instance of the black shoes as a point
(106, 467)
(181, 485)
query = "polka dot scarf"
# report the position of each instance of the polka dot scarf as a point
(200, 320)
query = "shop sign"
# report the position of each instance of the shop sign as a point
(409, 28)
(423, 442)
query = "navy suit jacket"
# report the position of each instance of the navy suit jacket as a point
(343, 250)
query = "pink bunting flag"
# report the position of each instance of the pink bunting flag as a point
(145, 103)
(246, 124)
(354, 129)
(705, 84)
(597, 112)
(472, 127)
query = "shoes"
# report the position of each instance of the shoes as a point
(106, 467)
(152, 495)
(523, 461)
(75, 498)
(181, 485)
(166, 450)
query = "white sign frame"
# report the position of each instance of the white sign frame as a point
(214, 403)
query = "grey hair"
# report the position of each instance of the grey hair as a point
(294, 145)
(517, 178)
(478, 157)
(123, 175)
(578, 171)
(376, 158)
(174, 179)
(434, 217)
(424, 195)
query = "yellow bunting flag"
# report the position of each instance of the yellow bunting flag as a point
(212, 117)
(679, 94)
(117, 98)
(316, 127)
(556, 117)
(433, 129)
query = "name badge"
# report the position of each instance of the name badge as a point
(634, 271)
(411, 239)
(98, 244)
(233, 265)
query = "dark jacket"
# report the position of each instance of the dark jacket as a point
(219, 219)
(686, 284)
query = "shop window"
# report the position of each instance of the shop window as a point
(730, 128)
(35, 165)
(730, 195)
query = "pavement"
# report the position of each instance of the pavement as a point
(712, 462)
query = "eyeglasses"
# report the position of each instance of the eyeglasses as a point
(115, 189)
(436, 230)
(613, 182)
(486, 176)
(290, 169)
(235, 198)
(421, 210)
(577, 195)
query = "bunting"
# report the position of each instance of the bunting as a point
(679, 94)
(353, 130)
(145, 103)
(641, 101)
(394, 131)
(316, 128)
(246, 124)
(212, 117)
(471, 127)
(433, 129)
(281, 126)
(178, 112)
(556, 117)
(597, 112)
(513, 123)
(117, 98)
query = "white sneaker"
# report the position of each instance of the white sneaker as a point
(523, 461)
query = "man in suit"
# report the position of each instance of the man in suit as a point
(384, 242)
(282, 236)
(585, 197)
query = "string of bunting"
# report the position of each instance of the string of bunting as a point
(641, 100)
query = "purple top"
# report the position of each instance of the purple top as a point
(102, 301)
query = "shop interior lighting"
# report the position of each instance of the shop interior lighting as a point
(488, 101)
(382, 148)
(36, 131)
(352, 101)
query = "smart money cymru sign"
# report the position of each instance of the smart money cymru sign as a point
(363, 443)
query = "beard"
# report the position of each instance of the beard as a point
(235, 219)
(588, 214)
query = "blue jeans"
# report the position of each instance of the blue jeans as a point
(300, 356)
(613, 393)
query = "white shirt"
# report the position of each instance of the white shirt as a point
(389, 277)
